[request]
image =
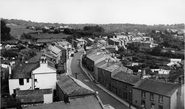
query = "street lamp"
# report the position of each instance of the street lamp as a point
(76, 74)
(130, 99)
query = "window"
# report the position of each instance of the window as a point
(143, 94)
(152, 106)
(160, 99)
(135, 101)
(27, 80)
(124, 86)
(21, 81)
(160, 107)
(126, 95)
(143, 104)
(35, 80)
(151, 96)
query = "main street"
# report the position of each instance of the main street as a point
(105, 97)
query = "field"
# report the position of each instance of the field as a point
(17, 31)
(49, 36)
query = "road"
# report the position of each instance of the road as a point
(105, 97)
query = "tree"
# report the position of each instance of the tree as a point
(156, 50)
(96, 28)
(68, 31)
(10, 54)
(5, 31)
(134, 47)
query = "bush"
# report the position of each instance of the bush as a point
(9, 54)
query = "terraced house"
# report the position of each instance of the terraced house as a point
(122, 84)
(107, 71)
(153, 94)
(93, 58)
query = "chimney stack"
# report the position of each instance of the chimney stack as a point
(10, 67)
(43, 59)
(143, 72)
(10, 70)
(107, 61)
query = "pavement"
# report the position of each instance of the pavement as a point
(78, 73)
(69, 72)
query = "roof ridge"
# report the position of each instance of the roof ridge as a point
(87, 88)
(161, 81)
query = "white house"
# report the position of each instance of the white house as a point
(161, 71)
(53, 53)
(174, 62)
(28, 76)
(19, 76)
(45, 76)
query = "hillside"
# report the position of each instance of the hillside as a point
(17, 31)
(108, 27)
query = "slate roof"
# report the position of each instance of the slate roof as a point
(31, 92)
(96, 56)
(72, 86)
(35, 58)
(49, 54)
(88, 102)
(92, 50)
(54, 49)
(32, 96)
(158, 87)
(111, 49)
(126, 77)
(23, 70)
(105, 65)
(101, 63)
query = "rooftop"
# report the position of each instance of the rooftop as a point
(126, 77)
(97, 55)
(72, 86)
(47, 40)
(88, 102)
(64, 43)
(33, 92)
(23, 70)
(35, 58)
(158, 87)
(115, 39)
(91, 50)
(32, 96)
(50, 54)
(81, 40)
(47, 67)
(91, 39)
(60, 47)
(54, 49)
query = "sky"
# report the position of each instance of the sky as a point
(95, 11)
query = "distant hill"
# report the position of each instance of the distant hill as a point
(17, 31)
(108, 27)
